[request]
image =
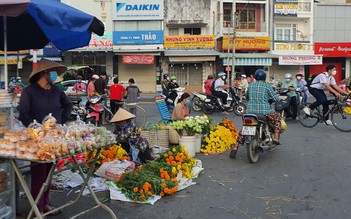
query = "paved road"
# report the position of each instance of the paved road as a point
(306, 177)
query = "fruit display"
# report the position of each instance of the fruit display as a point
(49, 140)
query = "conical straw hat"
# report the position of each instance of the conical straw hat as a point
(121, 115)
(48, 65)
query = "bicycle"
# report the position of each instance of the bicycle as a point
(134, 108)
(340, 115)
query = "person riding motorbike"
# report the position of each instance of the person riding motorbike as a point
(171, 86)
(164, 84)
(20, 83)
(290, 85)
(300, 83)
(219, 88)
(258, 95)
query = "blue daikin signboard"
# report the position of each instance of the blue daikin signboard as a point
(138, 37)
(137, 10)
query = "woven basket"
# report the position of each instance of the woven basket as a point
(163, 137)
(150, 136)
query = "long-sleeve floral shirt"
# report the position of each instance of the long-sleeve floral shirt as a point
(129, 133)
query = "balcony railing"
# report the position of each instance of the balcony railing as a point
(245, 26)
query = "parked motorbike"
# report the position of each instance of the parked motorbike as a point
(78, 112)
(95, 109)
(213, 103)
(258, 135)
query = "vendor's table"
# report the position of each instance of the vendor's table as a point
(46, 184)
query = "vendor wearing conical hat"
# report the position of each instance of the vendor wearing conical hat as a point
(38, 100)
(130, 137)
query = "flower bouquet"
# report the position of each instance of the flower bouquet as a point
(192, 125)
(114, 152)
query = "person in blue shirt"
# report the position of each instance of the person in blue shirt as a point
(258, 95)
(300, 84)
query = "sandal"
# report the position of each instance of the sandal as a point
(276, 142)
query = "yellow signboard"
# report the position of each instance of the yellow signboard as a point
(247, 43)
(9, 61)
(292, 46)
(189, 41)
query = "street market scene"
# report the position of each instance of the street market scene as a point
(175, 109)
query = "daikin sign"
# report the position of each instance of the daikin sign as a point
(137, 10)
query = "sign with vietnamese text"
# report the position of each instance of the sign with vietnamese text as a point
(138, 59)
(137, 37)
(333, 49)
(189, 41)
(285, 9)
(247, 43)
(300, 60)
(292, 46)
(137, 10)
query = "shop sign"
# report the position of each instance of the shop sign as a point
(287, 1)
(138, 59)
(247, 43)
(137, 10)
(137, 37)
(300, 60)
(189, 41)
(10, 61)
(285, 9)
(333, 49)
(292, 46)
(99, 43)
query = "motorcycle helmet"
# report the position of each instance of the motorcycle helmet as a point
(19, 79)
(173, 78)
(221, 73)
(165, 76)
(95, 99)
(260, 75)
(13, 79)
(288, 76)
(299, 74)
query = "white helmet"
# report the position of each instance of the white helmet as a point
(288, 75)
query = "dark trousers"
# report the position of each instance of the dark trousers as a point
(143, 155)
(321, 98)
(114, 106)
(293, 104)
(221, 95)
(39, 172)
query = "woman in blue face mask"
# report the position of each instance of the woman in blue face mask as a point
(182, 108)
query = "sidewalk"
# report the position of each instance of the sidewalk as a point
(148, 97)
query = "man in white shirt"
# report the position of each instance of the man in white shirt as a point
(322, 81)
(219, 87)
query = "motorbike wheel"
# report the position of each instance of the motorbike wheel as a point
(91, 120)
(252, 150)
(207, 110)
(239, 109)
(196, 104)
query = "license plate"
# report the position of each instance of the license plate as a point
(248, 130)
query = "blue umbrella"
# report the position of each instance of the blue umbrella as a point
(31, 24)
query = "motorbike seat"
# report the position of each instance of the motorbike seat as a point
(260, 117)
(75, 100)
(211, 96)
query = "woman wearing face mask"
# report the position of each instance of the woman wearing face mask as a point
(39, 99)
(290, 85)
(219, 88)
(181, 110)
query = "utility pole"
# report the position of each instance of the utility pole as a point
(234, 39)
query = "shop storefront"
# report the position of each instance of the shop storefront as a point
(190, 58)
(338, 54)
(299, 63)
(251, 53)
(98, 55)
(137, 54)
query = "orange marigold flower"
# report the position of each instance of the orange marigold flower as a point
(141, 191)
(135, 189)
(162, 194)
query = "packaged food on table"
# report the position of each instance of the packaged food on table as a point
(35, 131)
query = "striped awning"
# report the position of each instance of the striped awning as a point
(249, 61)
(51, 58)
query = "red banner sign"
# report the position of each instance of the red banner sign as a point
(333, 49)
(138, 59)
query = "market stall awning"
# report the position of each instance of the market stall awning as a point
(11, 60)
(249, 59)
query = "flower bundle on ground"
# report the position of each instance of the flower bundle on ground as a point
(157, 177)
(221, 138)
(114, 152)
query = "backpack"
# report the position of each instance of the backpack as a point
(310, 79)
(213, 87)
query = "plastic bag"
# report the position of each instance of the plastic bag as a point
(113, 170)
(35, 131)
